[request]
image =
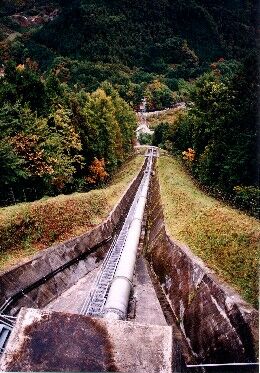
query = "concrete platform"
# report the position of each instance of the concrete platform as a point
(73, 299)
(52, 341)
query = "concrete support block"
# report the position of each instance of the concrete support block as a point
(52, 341)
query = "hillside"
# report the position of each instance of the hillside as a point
(156, 36)
(132, 33)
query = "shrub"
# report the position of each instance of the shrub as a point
(248, 198)
(145, 138)
(161, 134)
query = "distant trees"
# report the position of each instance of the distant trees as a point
(161, 134)
(23, 84)
(134, 34)
(145, 139)
(128, 44)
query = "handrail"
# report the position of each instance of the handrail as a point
(220, 365)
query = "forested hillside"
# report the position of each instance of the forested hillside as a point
(132, 33)
(73, 71)
(173, 38)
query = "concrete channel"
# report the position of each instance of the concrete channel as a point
(179, 318)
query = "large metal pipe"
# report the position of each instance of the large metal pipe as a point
(118, 297)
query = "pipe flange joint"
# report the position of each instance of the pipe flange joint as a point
(121, 315)
(124, 278)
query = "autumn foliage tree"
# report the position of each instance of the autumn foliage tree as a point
(68, 141)
(106, 128)
(97, 173)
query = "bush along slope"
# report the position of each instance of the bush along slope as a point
(56, 140)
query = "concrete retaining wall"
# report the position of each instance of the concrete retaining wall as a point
(48, 260)
(219, 326)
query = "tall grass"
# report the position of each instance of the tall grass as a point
(225, 238)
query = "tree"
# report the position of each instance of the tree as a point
(161, 134)
(23, 84)
(11, 166)
(145, 138)
(125, 117)
(221, 127)
(40, 155)
(158, 96)
(97, 173)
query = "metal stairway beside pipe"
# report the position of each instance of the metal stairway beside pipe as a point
(118, 297)
(109, 296)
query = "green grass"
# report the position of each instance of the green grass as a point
(226, 239)
(27, 228)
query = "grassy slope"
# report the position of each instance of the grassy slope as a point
(225, 238)
(28, 227)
